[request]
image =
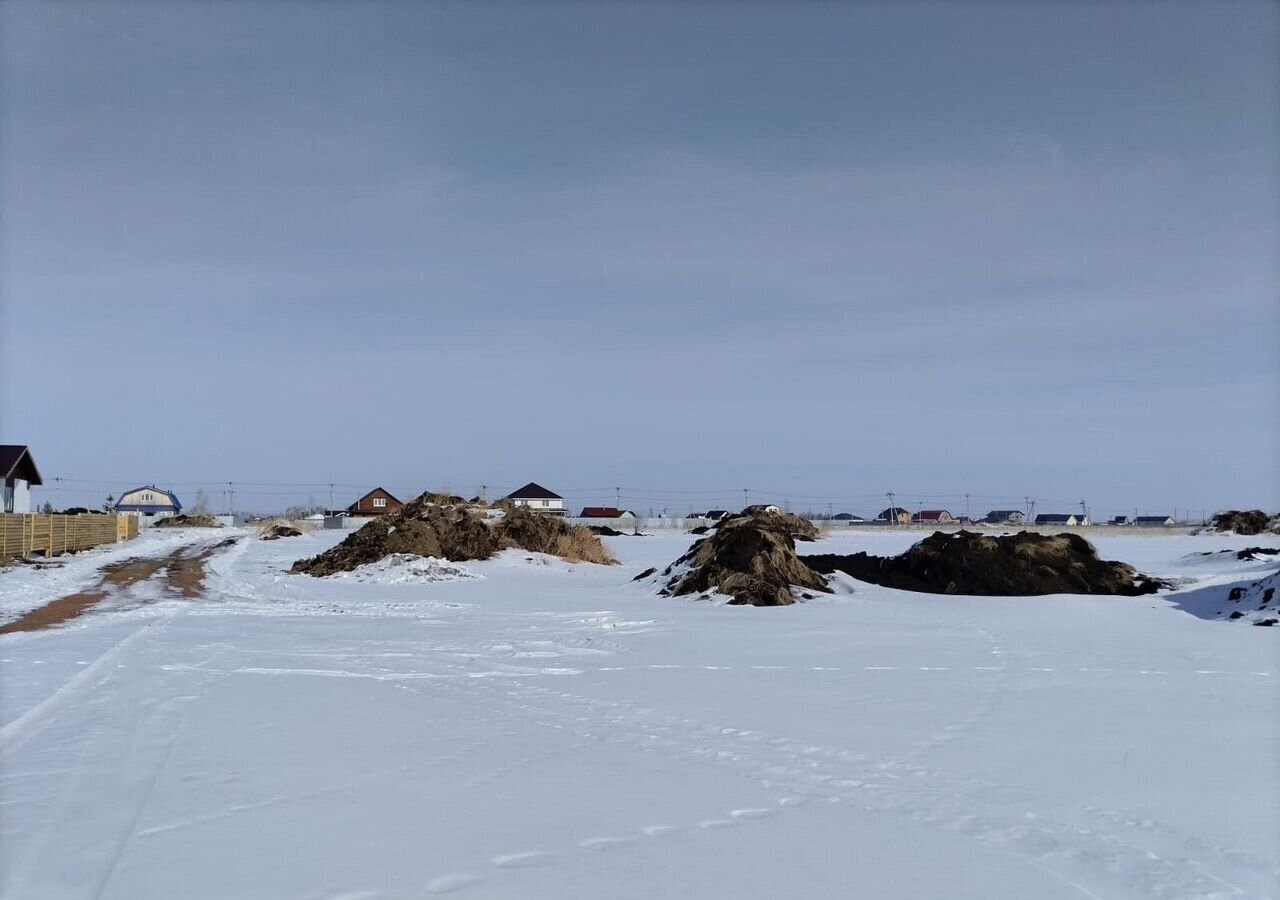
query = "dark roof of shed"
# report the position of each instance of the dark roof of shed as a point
(601, 512)
(533, 491)
(16, 462)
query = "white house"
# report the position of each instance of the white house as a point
(149, 500)
(20, 474)
(1062, 519)
(1004, 517)
(538, 498)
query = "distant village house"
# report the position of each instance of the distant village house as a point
(378, 502)
(538, 498)
(20, 475)
(1062, 519)
(1004, 517)
(605, 512)
(933, 516)
(1153, 521)
(149, 500)
(895, 514)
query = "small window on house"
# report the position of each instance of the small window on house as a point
(544, 502)
(379, 501)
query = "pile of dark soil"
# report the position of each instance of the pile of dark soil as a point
(1016, 565)
(1251, 521)
(448, 527)
(750, 556)
(699, 529)
(195, 520)
(798, 528)
(604, 531)
(540, 533)
(277, 530)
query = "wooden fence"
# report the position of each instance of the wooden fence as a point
(22, 534)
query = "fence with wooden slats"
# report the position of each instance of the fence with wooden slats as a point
(23, 534)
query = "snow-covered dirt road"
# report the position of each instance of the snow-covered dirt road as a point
(554, 731)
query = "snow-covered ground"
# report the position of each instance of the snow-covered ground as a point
(555, 731)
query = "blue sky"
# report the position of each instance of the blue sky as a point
(821, 251)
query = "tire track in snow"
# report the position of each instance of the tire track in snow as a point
(927, 796)
(16, 732)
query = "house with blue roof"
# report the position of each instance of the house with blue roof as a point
(149, 500)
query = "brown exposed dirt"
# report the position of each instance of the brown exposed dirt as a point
(798, 528)
(277, 530)
(751, 557)
(539, 533)
(184, 574)
(448, 527)
(195, 520)
(1017, 565)
(1251, 521)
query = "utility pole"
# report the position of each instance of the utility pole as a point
(231, 498)
(1033, 512)
(1027, 502)
(829, 516)
(617, 498)
(330, 498)
(966, 506)
(892, 514)
(745, 501)
(1084, 510)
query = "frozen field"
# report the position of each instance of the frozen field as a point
(554, 731)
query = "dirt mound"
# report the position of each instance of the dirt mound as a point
(699, 529)
(604, 531)
(548, 534)
(456, 531)
(277, 530)
(751, 557)
(798, 528)
(1251, 521)
(1016, 565)
(195, 520)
